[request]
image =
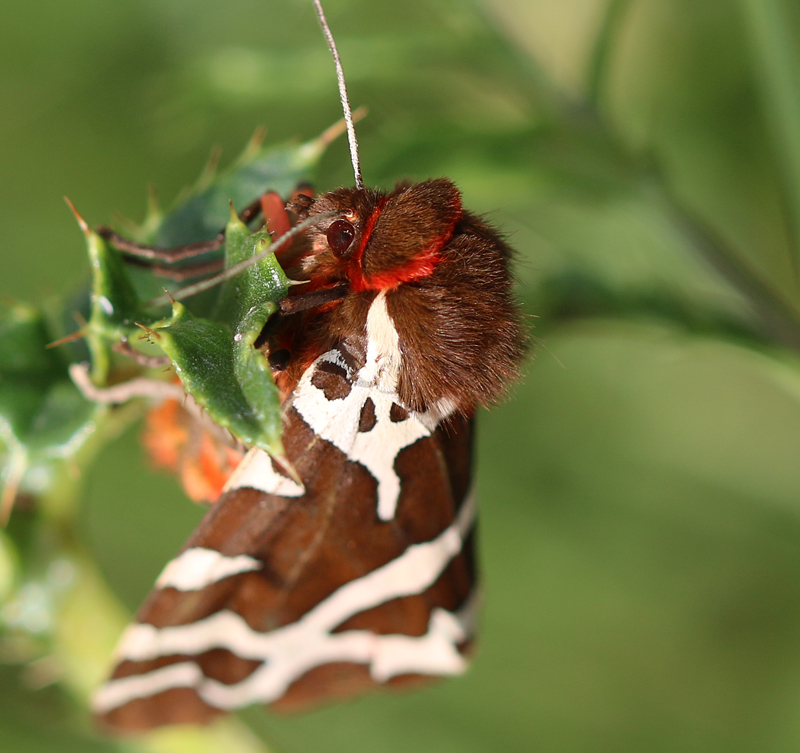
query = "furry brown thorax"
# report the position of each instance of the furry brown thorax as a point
(445, 274)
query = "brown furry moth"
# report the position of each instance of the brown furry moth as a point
(358, 569)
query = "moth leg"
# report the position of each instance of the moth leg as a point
(168, 255)
(313, 299)
(279, 217)
(303, 189)
(301, 201)
(179, 274)
(177, 253)
(125, 391)
(124, 348)
(279, 352)
(276, 217)
(250, 212)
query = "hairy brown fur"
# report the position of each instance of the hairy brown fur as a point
(460, 329)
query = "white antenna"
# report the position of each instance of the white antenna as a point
(348, 115)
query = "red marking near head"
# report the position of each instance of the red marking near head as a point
(355, 272)
(421, 265)
(275, 215)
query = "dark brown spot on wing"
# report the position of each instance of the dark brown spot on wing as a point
(367, 420)
(397, 413)
(332, 380)
(228, 668)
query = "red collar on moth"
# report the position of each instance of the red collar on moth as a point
(421, 265)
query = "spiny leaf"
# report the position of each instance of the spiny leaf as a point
(209, 364)
(115, 306)
(202, 214)
(216, 360)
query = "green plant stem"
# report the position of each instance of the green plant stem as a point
(601, 57)
(780, 321)
(777, 60)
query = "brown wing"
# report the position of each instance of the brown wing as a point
(305, 596)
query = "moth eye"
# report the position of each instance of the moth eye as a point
(340, 235)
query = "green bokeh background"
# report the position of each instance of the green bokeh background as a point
(640, 491)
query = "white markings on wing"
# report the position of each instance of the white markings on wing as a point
(434, 653)
(290, 651)
(197, 568)
(383, 348)
(118, 692)
(337, 421)
(257, 472)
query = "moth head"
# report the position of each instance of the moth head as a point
(381, 240)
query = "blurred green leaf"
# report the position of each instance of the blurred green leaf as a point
(216, 358)
(28, 370)
(201, 215)
(41, 720)
(774, 28)
(44, 420)
(8, 567)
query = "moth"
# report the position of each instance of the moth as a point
(355, 567)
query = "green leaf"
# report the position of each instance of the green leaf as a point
(775, 46)
(215, 357)
(119, 291)
(9, 566)
(213, 354)
(209, 364)
(263, 284)
(43, 417)
(115, 305)
(216, 360)
(201, 215)
(40, 408)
